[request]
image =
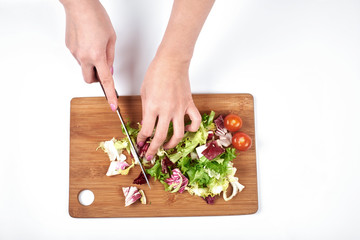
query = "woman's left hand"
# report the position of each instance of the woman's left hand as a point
(166, 97)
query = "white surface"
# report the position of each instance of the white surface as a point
(300, 60)
(86, 197)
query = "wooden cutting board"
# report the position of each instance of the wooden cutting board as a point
(92, 121)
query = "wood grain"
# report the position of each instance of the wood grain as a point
(92, 121)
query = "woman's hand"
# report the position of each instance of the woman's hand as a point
(165, 92)
(91, 38)
(166, 97)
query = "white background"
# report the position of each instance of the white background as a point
(300, 60)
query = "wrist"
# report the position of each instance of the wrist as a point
(75, 4)
(170, 61)
(175, 55)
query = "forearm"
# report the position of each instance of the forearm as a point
(186, 21)
(91, 38)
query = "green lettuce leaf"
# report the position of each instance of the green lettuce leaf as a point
(229, 154)
(216, 186)
(156, 172)
(121, 144)
(189, 142)
(208, 120)
(201, 177)
(197, 190)
(133, 132)
(208, 177)
(184, 164)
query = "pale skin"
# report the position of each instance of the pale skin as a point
(165, 92)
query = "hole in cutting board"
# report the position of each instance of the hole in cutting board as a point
(86, 197)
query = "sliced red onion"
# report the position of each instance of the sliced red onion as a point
(213, 150)
(220, 132)
(225, 140)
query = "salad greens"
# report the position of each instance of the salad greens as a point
(185, 168)
(189, 142)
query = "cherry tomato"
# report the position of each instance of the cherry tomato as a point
(232, 122)
(241, 141)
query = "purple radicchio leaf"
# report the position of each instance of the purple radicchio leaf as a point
(142, 150)
(176, 179)
(220, 128)
(165, 164)
(210, 136)
(209, 199)
(131, 194)
(213, 150)
(141, 179)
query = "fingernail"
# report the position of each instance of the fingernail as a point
(149, 157)
(113, 107)
(112, 70)
(141, 144)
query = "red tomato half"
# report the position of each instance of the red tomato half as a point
(232, 122)
(241, 141)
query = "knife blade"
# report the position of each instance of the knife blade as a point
(132, 148)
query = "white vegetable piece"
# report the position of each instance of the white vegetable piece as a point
(225, 140)
(143, 197)
(200, 149)
(217, 190)
(236, 186)
(112, 152)
(122, 158)
(131, 194)
(193, 155)
(212, 173)
(198, 191)
(116, 167)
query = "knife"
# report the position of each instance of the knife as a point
(133, 149)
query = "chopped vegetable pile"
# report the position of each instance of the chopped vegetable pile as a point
(201, 164)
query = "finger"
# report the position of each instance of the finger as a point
(147, 128)
(178, 134)
(195, 118)
(110, 51)
(107, 81)
(88, 73)
(77, 60)
(143, 108)
(159, 138)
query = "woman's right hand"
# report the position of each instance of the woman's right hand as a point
(91, 39)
